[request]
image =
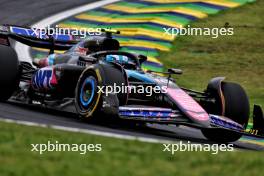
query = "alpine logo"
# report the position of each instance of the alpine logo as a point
(44, 79)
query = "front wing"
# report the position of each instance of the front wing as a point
(169, 116)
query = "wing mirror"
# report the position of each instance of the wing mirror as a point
(174, 71)
(142, 58)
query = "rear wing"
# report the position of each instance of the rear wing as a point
(34, 38)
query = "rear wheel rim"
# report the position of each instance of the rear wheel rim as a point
(87, 92)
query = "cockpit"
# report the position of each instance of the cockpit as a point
(95, 44)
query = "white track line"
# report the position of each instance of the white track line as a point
(86, 131)
(23, 50)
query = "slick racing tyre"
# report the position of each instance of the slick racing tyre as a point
(9, 72)
(236, 107)
(88, 97)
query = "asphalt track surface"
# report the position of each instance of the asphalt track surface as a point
(26, 12)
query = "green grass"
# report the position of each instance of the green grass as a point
(239, 57)
(118, 157)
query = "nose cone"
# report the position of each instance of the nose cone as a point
(189, 106)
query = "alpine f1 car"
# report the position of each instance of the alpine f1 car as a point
(80, 77)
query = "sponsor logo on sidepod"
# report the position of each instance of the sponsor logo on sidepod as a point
(44, 79)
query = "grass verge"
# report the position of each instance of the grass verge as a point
(118, 157)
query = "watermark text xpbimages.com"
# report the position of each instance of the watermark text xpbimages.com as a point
(61, 147)
(194, 147)
(214, 32)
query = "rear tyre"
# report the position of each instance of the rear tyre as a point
(236, 107)
(87, 98)
(9, 72)
(115, 76)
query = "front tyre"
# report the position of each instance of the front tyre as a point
(235, 105)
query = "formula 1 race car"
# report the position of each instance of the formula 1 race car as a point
(95, 77)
